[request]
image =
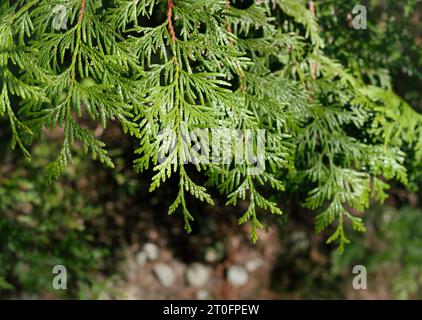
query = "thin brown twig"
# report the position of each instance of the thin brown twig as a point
(82, 12)
(314, 64)
(312, 7)
(170, 6)
(228, 25)
(81, 17)
(229, 29)
(314, 67)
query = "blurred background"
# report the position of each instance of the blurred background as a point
(117, 241)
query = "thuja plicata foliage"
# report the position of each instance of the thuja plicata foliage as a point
(334, 140)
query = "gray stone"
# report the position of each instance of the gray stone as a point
(215, 252)
(198, 274)
(254, 265)
(164, 274)
(237, 276)
(141, 258)
(202, 295)
(299, 240)
(213, 255)
(151, 250)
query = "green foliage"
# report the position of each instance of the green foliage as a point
(334, 133)
(393, 254)
(43, 226)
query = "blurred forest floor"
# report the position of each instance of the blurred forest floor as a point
(117, 241)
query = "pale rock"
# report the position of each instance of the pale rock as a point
(213, 255)
(237, 276)
(141, 258)
(202, 295)
(254, 265)
(198, 274)
(164, 274)
(151, 250)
